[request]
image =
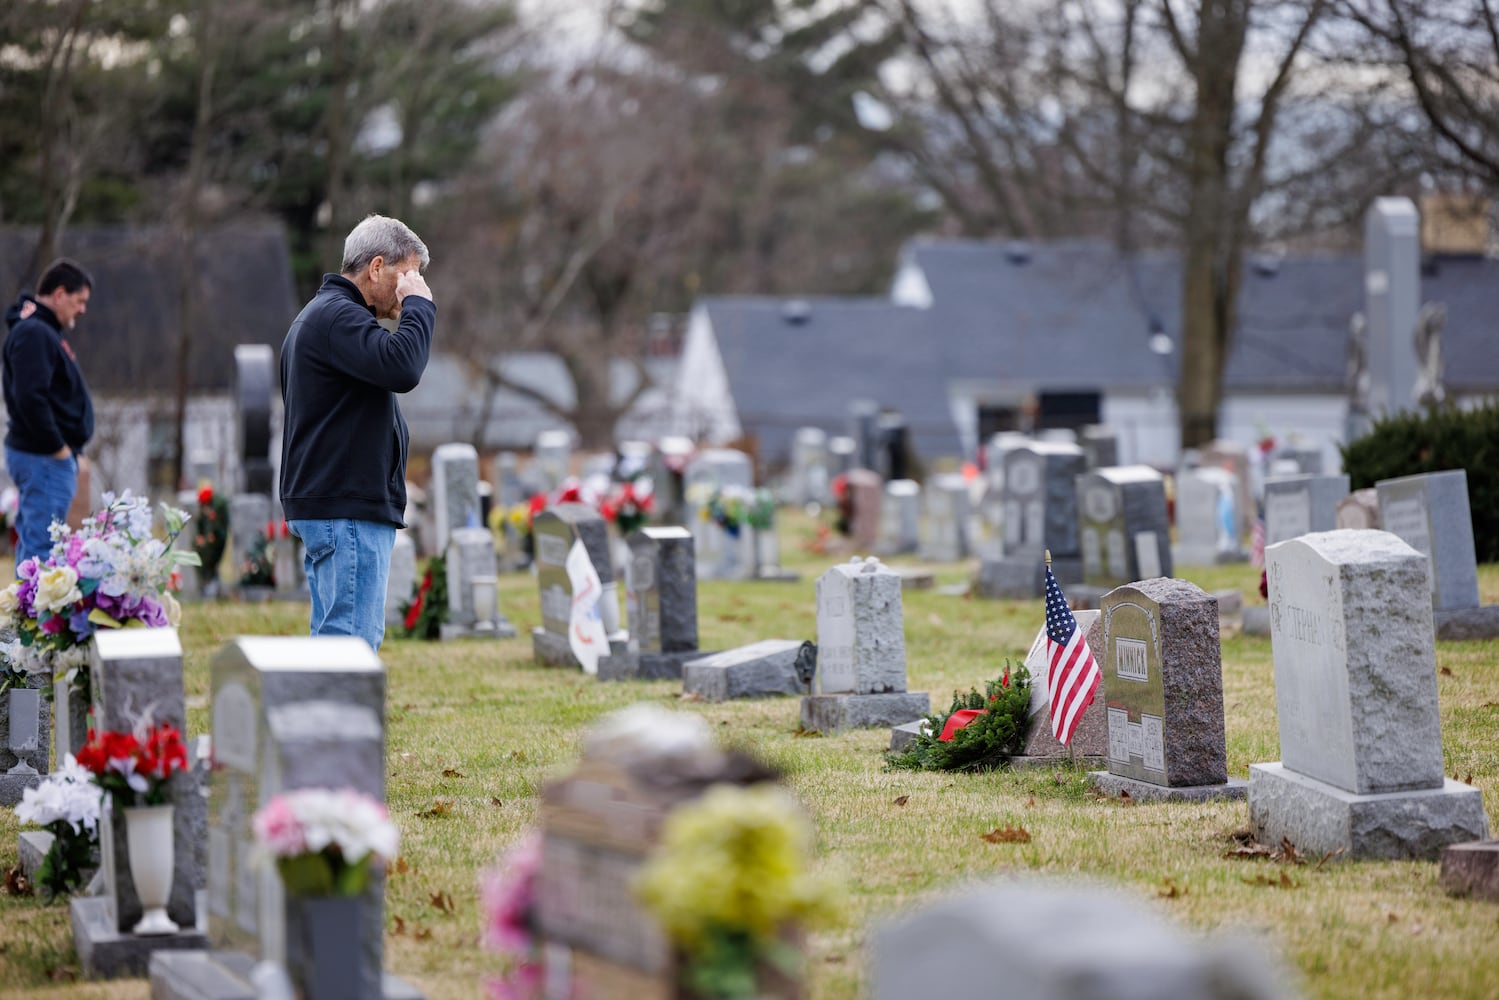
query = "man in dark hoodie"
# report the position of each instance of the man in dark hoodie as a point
(51, 413)
(343, 444)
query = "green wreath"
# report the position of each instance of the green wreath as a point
(989, 741)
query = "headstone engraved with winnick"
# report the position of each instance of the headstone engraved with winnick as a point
(1040, 513)
(288, 714)
(137, 681)
(861, 652)
(1163, 692)
(1361, 773)
(1431, 513)
(554, 531)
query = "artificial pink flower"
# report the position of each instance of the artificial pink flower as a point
(277, 828)
(508, 896)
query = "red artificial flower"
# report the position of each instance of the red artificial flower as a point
(1264, 585)
(537, 505)
(414, 613)
(608, 510)
(205, 494)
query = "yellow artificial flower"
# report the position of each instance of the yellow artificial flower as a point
(735, 859)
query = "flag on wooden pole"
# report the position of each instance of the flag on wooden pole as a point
(1072, 674)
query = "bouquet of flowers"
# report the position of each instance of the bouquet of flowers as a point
(325, 841)
(760, 512)
(508, 895)
(629, 505)
(258, 566)
(729, 881)
(213, 532)
(134, 767)
(66, 804)
(728, 509)
(423, 615)
(110, 573)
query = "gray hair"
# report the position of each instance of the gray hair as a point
(381, 236)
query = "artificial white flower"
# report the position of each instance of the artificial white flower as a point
(10, 601)
(68, 793)
(57, 588)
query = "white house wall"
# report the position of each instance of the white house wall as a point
(703, 406)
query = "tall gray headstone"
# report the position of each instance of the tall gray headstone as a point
(254, 394)
(1298, 505)
(249, 518)
(1207, 518)
(189, 583)
(25, 737)
(809, 478)
(900, 518)
(1356, 697)
(288, 714)
(861, 651)
(553, 531)
(843, 452)
(553, 458)
(473, 596)
(1163, 679)
(1100, 444)
(137, 676)
(661, 591)
(947, 510)
(1392, 301)
(864, 428)
(455, 492)
(1431, 513)
(1040, 514)
(402, 578)
(1125, 532)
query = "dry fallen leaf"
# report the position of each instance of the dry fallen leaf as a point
(1326, 858)
(1392, 917)
(495, 800)
(690, 696)
(453, 772)
(425, 934)
(1288, 852)
(400, 867)
(1170, 890)
(1007, 835)
(439, 807)
(400, 927)
(901, 800)
(443, 901)
(16, 882)
(1125, 798)
(1030, 802)
(1445, 671)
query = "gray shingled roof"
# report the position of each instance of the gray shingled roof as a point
(1070, 315)
(127, 342)
(785, 374)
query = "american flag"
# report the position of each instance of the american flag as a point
(1072, 675)
(1257, 544)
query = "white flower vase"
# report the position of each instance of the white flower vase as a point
(148, 835)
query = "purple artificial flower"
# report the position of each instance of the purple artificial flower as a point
(74, 550)
(29, 569)
(79, 624)
(26, 596)
(152, 613)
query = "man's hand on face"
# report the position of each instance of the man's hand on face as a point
(411, 283)
(27, 308)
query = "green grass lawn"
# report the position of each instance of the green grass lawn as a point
(478, 727)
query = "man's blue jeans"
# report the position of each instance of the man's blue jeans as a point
(46, 486)
(348, 564)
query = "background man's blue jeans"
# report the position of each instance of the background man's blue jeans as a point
(46, 486)
(348, 564)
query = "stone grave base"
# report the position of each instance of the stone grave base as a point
(1468, 623)
(552, 650)
(1230, 604)
(629, 666)
(775, 574)
(105, 953)
(1320, 818)
(915, 577)
(1194, 555)
(1024, 578)
(904, 735)
(12, 785)
(829, 713)
(763, 677)
(1472, 870)
(1143, 791)
(225, 975)
(450, 631)
(1257, 620)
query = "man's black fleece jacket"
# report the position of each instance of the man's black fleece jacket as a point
(343, 441)
(46, 398)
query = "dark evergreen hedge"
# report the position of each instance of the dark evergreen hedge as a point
(1434, 441)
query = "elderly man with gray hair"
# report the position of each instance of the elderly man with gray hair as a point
(344, 441)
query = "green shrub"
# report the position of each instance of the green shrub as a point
(1440, 439)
